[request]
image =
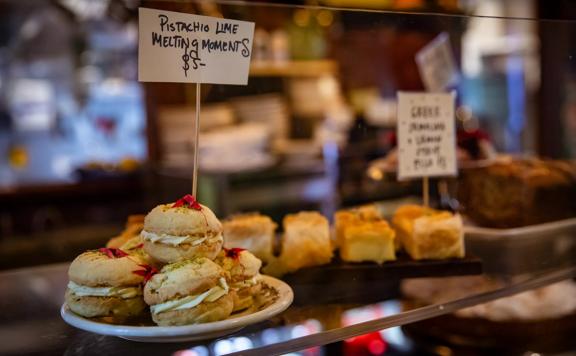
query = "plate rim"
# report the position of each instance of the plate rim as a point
(285, 298)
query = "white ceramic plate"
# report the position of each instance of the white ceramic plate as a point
(186, 332)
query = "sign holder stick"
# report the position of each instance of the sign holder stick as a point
(426, 191)
(196, 135)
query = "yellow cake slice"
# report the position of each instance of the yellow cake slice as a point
(403, 219)
(342, 220)
(368, 241)
(351, 217)
(426, 233)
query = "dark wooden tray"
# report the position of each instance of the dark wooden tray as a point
(404, 267)
(368, 282)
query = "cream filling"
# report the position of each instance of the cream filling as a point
(174, 240)
(191, 301)
(122, 292)
(246, 283)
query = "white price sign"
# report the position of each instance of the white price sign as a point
(426, 135)
(436, 64)
(178, 47)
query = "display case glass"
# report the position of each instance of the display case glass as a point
(300, 166)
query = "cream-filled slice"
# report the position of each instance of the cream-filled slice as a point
(246, 283)
(174, 240)
(191, 301)
(121, 292)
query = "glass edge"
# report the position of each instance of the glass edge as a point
(408, 317)
(359, 10)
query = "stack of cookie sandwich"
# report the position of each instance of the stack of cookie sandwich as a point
(176, 266)
(107, 284)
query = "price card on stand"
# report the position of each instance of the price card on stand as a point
(426, 135)
(436, 64)
(186, 48)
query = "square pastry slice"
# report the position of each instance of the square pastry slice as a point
(368, 241)
(429, 234)
(436, 236)
(252, 232)
(342, 220)
(403, 219)
(306, 240)
(369, 212)
(351, 217)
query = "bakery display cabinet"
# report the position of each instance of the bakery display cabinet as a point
(301, 239)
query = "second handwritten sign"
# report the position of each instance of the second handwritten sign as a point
(178, 47)
(426, 135)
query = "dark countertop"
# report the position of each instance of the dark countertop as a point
(31, 325)
(29, 304)
(30, 322)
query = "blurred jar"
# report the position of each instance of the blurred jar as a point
(306, 33)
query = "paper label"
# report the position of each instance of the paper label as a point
(426, 135)
(436, 64)
(178, 47)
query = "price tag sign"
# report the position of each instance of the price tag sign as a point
(185, 48)
(436, 64)
(426, 135)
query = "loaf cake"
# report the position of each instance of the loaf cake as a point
(519, 192)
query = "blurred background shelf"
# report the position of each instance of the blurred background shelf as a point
(300, 68)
